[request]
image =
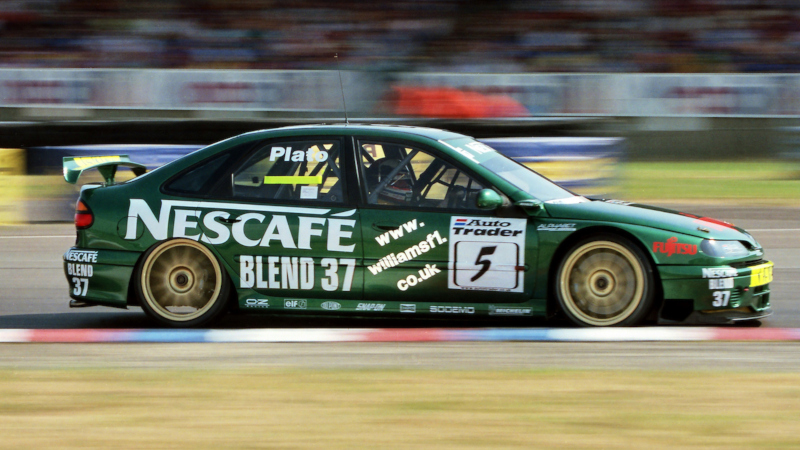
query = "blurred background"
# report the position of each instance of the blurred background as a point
(693, 104)
(654, 100)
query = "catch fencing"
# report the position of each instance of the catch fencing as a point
(246, 93)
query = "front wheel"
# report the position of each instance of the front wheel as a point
(181, 284)
(603, 281)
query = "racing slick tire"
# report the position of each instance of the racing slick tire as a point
(180, 284)
(605, 280)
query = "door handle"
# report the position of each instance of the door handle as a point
(385, 226)
(229, 220)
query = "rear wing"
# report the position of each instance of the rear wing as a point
(74, 166)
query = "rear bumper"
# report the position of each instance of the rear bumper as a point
(99, 277)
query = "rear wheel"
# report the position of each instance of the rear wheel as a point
(181, 284)
(603, 281)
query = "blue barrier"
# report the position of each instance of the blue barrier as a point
(584, 165)
(47, 160)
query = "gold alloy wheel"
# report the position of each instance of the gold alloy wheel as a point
(181, 280)
(601, 283)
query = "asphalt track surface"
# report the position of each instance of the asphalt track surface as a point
(34, 294)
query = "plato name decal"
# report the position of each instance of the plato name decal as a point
(86, 256)
(294, 273)
(186, 223)
(331, 306)
(287, 154)
(486, 254)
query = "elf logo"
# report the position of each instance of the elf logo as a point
(293, 303)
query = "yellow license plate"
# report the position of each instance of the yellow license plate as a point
(761, 274)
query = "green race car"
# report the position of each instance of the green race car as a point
(372, 220)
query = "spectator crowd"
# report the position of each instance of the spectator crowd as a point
(661, 36)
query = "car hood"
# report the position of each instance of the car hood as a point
(616, 211)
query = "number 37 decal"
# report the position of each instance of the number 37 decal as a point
(80, 286)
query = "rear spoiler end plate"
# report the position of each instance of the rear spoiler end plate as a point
(74, 166)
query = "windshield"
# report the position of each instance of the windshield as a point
(513, 172)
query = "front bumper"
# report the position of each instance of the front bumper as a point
(99, 277)
(725, 317)
(715, 295)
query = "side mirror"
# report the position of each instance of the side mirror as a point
(488, 199)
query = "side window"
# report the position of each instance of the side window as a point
(299, 170)
(198, 180)
(397, 174)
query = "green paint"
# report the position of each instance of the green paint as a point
(340, 255)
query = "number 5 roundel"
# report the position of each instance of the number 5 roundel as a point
(485, 253)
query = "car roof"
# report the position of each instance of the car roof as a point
(359, 129)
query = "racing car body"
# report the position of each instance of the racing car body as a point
(372, 220)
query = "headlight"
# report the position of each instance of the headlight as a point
(723, 249)
(753, 241)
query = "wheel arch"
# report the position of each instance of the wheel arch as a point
(561, 252)
(133, 297)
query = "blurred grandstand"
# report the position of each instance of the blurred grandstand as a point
(663, 36)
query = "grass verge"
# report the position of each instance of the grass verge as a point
(754, 183)
(397, 409)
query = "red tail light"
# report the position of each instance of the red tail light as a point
(83, 216)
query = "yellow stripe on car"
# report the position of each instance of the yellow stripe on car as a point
(761, 274)
(315, 179)
(86, 161)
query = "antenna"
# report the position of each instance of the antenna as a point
(341, 86)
